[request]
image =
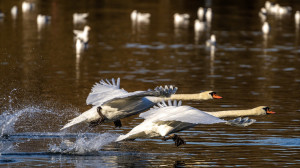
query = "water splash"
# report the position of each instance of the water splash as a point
(84, 144)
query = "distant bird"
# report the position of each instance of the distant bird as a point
(80, 46)
(138, 17)
(297, 18)
(208, 15)
(263, 14)
(265, 28)
(165, 120)
(111, 103)
(181, 20)
(212, 41)
(14, 12)
(27, 6)
(82, 34)
(199, 25)
(43, 19)
(79, 17)
(200, 13)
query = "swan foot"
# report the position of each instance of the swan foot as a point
(118, 123)
(177, 139)
(98, 121)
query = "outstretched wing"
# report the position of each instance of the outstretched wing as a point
(176, 112)
(104, 91)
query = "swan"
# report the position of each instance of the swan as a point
(200, 13)
(82, 34)
(112, 103)
(297, 17)
(265, 28)
(260, 110)
(14, 12)
(164, 120)
(79, 17)
(138, 17)
(27, 6)
(43, 19)
(181, 20)
(199, 25)
(212, 41)
(208, 15)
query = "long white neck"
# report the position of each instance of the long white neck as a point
(196, 96)
(234, 113)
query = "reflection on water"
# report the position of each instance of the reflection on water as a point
(46, 76)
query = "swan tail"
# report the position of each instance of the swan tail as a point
(241, 122)
(81, 118)
(166, 91)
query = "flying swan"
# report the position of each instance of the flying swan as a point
(164, 120)
(111, 103)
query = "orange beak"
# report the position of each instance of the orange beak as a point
(215, 96)
(270, 112)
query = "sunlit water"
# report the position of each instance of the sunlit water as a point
(44, 83)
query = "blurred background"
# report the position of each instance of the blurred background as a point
(43, 66)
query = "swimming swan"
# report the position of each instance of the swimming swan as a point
(163, 120)
(111, 103)
(82, 34)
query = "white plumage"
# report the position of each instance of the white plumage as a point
(164, 119)
(79, 17)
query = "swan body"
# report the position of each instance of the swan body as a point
(200, 13)
(212, 41)
(79, 17)
(14, 12)
(27, 6)
(208, 15)
(181, 20)
(43, 19)
(260, 110)
(111, 103)
(297, 17)
(266, 28)
(163, 120)
(138, 17)
(82, 34)
(199, 25)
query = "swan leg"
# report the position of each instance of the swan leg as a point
(177, 139)
(98, 121)
(118, 123)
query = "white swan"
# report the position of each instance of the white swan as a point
(163, 120)
(265, 28)
(138, 17)
(111, 103)
(43, 19)
(181, 20)
(14, 12)
(79, 17)
(27, 6)
(199, 26)
(83, 34)
(212, 41)
(297, 18)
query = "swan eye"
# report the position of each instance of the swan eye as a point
(212, 93)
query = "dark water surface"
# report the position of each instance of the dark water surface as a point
(43, 83)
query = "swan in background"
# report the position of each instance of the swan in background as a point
(27, 6)
(263, 14)
(79, 17)
(265, 28)
(297, 18)
(199, 25)
(82, 34)
(181, 20)
(200, 13)
(14, 12)
(165, 120)
(212, 41)
(111, 103)
(260, 110)
(138, 17)
(42, 20)
(208, 15)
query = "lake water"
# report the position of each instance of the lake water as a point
(44, 83)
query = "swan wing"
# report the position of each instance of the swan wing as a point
(104, 91)
(133, 102)
(175, 112)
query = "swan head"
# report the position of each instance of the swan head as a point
(263, 110)
(206, 95)
(87, 28)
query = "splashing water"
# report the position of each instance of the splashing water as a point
(83, 144)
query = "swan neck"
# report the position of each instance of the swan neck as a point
(187, 97)
(233, 113)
